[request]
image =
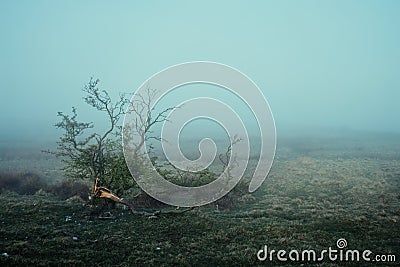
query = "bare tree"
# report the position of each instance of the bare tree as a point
(141, 108)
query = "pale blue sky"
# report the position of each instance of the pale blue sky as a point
(319, 63)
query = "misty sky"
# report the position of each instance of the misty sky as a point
(330, 64)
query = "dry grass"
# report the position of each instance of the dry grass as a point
(308, 201)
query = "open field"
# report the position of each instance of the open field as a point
(318, 191)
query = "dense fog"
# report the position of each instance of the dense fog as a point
(324, 67)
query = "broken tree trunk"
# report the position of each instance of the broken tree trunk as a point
(103, 192)
(100, 191)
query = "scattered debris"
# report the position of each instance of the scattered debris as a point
(106, 216)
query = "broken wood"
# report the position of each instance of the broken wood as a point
(103, 192)
(100, 191)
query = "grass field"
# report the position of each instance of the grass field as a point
(318, 191)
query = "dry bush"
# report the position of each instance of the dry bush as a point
(143, 200)
(22, 183)
(68, 188)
